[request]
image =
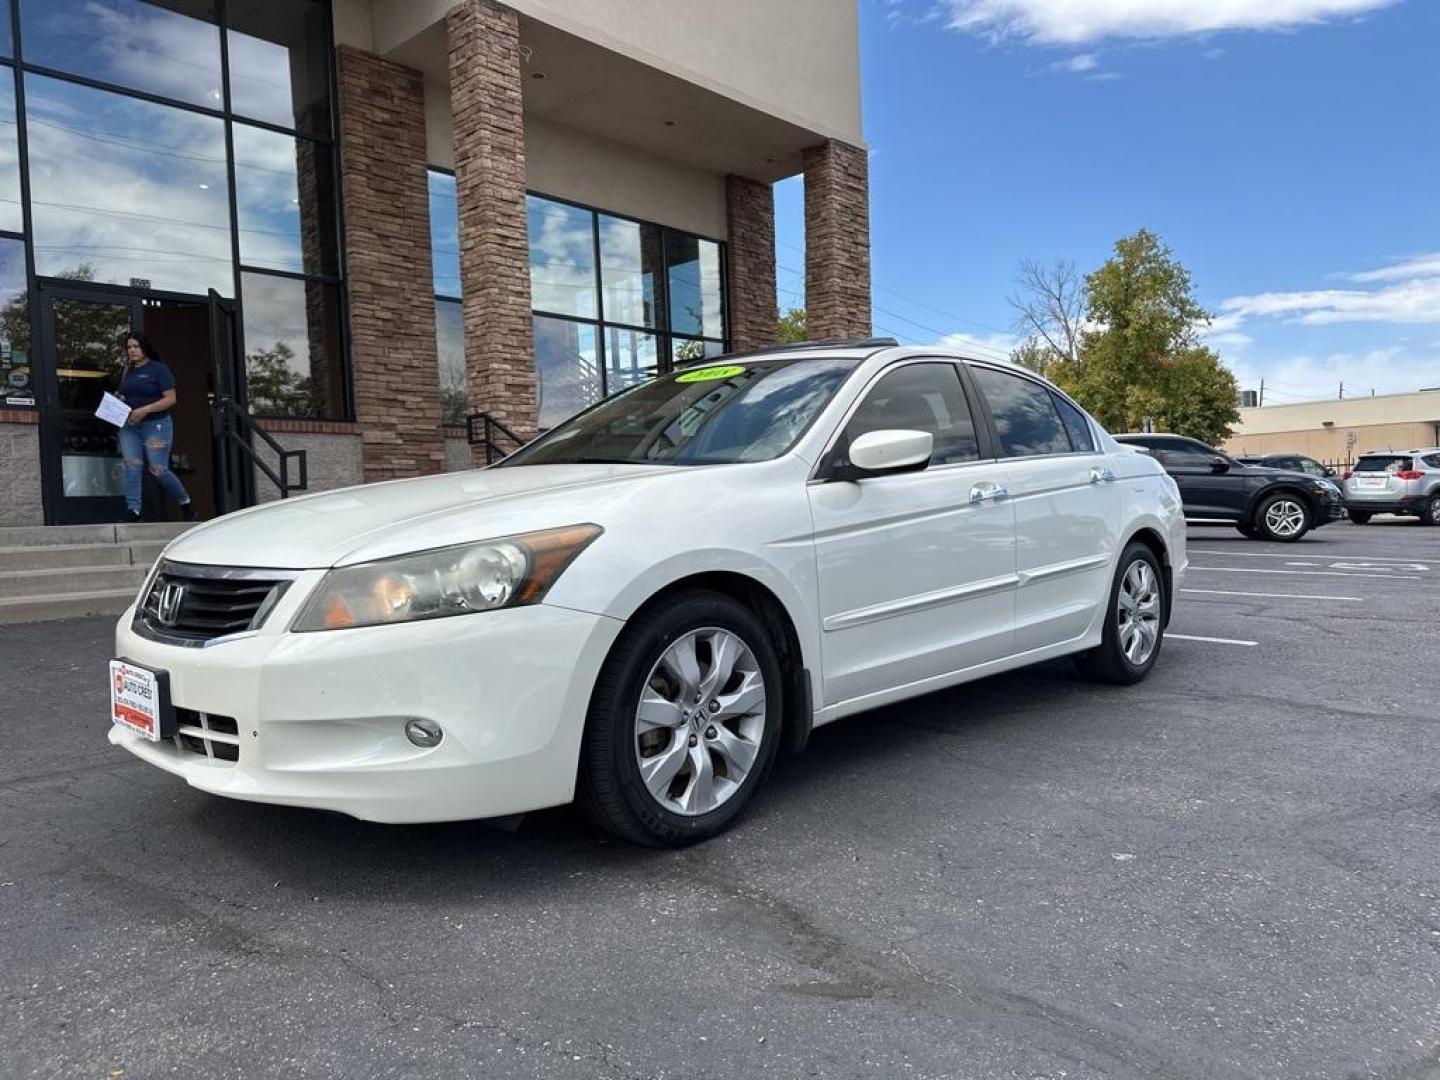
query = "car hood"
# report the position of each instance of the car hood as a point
(379, 520)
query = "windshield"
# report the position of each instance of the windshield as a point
(715, 415)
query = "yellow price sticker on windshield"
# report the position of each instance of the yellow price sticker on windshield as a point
(710, 374)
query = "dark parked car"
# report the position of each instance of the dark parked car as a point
(1263, 503)
(1291, 463)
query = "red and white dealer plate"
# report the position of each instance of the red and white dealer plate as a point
(140, 700)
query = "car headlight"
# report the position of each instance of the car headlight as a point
(511, 571)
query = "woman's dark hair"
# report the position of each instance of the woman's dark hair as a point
(144, 343)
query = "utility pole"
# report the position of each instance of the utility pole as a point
(1342, 391)
(1261, 400)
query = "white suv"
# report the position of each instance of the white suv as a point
(1383, 482)
(644, 605)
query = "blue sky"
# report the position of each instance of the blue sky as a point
(1287, 150)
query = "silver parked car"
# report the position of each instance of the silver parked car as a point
(1395, 482)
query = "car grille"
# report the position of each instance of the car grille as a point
(190, 605)
(211, 736)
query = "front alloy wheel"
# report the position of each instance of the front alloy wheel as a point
(700, 721)
(1283, 518)
(684, 721)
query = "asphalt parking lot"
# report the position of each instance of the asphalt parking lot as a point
(1232, 870)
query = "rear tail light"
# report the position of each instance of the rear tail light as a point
(1409, 474)
(1346, 475)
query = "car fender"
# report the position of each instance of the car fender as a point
(1275, 487)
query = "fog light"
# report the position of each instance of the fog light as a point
(423, 733)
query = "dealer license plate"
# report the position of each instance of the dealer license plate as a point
(140, 700)
(1370, 482)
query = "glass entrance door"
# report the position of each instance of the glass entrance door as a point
(81, 351)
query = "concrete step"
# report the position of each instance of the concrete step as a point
(56, 556)
(64, 605)
(16, 584)
(45, 535)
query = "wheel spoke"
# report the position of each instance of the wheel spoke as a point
(659, 772)
(699, 794)
(656, 712)
(746, 701)
(724, 652)
(680, 660)
(739, 754)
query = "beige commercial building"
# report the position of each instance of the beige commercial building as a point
(1336, 432)
(350, 225)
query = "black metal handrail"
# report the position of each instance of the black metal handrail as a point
(482, 429)
(241, 429)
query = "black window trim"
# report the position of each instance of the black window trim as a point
(979, 417)
(995, 432)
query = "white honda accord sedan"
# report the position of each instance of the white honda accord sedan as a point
(641, 608)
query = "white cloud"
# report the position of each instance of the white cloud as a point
(1229, 339)
(1388, 370)
(996, 346)
(1413, 267)
(1415, 301)
(1105, 76)
(1075, 22)
(1077, 64)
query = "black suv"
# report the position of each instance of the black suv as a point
(1265, 504)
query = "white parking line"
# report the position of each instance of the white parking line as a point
(1294, 554)
(1274, 595)
(1212, 640)
(1311, 573)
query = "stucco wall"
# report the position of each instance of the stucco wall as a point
(20, 500)
(333, 461)
(1329, 444)
(798, 60)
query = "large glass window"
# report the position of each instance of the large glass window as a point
(170, 48)
(279, 63)
(693, 269)
(450, 346)
(292, 347)
(16, 384)
(126, 191)
(444, 234)
(285, 202)
(567, 368)
(12, 215)
(562, 259)
(630, 261)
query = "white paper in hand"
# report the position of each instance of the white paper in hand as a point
(112, 410)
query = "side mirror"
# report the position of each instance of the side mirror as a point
(1219, 465)
(879, 452)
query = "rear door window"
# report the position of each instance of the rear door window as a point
(1025, 415)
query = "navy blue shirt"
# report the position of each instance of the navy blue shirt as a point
(146, 384)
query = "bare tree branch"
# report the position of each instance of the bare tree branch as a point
(1050, 306)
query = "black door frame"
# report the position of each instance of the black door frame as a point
(224, 326)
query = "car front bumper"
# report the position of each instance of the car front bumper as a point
(320, 716)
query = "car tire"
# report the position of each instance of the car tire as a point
(657, 766)
(1137, 600)
(1430, 510)
(1282, 517)
(1358, 517)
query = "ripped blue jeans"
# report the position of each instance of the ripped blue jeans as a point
(149, 442)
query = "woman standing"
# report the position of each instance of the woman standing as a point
(148, 387)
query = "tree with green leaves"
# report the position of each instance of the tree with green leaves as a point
(275, 387)
(792, 326)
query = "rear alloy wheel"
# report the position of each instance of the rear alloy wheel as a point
(1359, 517)
(684, 722)
(1135, 624)
(1283, 518)
(1430, 511)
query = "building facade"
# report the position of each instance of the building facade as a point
(1337, 432)
(348, 225)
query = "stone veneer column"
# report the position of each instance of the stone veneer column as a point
(837, 241)
(395, 371)
(488, 113)
(750, 209)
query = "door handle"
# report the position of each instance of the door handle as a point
(1101, 474)
(984, 492)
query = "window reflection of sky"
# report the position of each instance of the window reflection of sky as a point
(127, 188)
(444, 234)
(562, 258)
(11, 215)
(173, 54)
(269, 205)
(450, 344)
